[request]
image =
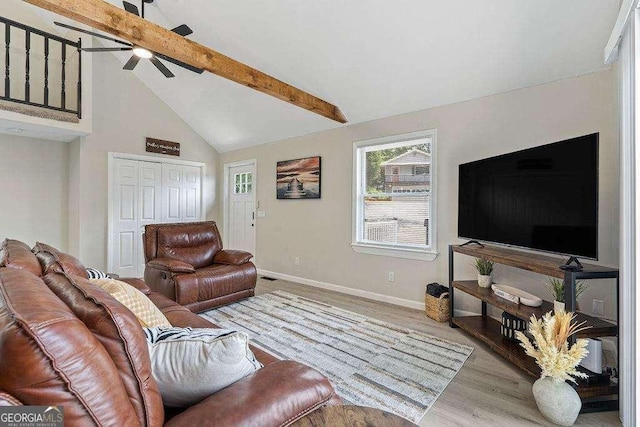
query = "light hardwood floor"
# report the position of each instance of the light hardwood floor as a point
(488, 391)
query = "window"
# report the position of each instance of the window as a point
(242, 183)
(393, 211)
(421, 170)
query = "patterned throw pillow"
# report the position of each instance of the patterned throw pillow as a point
(146, 311)
(93, 273)
(191, 364)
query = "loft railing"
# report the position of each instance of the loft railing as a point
(32, 53)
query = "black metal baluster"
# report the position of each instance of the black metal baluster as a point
(63, 94)
(79, 78)
(46, 71)
(7, 79)
(48, 38)
(27, 83)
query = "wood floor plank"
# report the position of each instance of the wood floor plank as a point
(488, 390)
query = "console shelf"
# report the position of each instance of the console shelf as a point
(487, 330)
(597, 327)
(543, 264)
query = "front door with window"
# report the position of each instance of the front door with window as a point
(240, 205)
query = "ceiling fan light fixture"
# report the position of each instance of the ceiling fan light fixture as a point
(142, 52)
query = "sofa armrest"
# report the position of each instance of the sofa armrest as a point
(137, 283)
(232, 257)
(276, 395)
(8, 400)
(171, 265)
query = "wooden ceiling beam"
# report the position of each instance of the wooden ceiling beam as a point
(120, 23)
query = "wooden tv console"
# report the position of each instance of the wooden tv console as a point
(486, 329)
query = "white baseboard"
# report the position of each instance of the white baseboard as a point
(418, 305)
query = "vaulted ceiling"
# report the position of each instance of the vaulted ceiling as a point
(373, 59)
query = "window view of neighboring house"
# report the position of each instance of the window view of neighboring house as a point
(394, 193)
(408, 172)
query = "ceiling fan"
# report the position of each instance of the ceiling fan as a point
(138, 51)
(180, 50)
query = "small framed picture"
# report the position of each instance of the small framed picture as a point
(298, 178)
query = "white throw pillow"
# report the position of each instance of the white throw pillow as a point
(191, 364)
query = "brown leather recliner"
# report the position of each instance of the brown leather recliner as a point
(186, 262)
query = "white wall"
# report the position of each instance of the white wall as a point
(125, 112)
(34, 174)
(319, 231)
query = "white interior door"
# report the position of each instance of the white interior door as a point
(147, 192)
(125, 230)
(136, 203)
(150, 203)
(191, 189)
(241, 212)
(172, 197)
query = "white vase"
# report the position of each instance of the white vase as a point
(558, 306)
(557, 401)
(484, 281)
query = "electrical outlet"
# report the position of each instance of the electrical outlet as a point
(391, 276)
(296, 261)
(598, 307)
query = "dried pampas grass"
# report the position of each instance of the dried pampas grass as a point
(550, 347)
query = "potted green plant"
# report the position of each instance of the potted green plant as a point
(485, 270)
(556, 289)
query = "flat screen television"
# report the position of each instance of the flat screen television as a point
(543, 198)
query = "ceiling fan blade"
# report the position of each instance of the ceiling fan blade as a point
(160, 66)
(180, 64)
(183, 30)
(131, 63)
(106, 49)
(131, 8)
(91, 33)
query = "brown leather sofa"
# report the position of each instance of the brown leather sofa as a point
(186, 263)
(65, 342)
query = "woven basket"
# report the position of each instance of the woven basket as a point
(437, 308)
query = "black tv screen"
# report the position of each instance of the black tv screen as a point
(543, 198)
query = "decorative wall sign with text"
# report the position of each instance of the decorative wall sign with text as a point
(299, 178)
(163, 147)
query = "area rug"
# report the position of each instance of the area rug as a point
(369, 362)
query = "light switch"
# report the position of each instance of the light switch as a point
(262, 214)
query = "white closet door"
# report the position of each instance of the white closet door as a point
(150, 202)
(191, 189)
(181, 193)
(172, 197)
(126, 232)
(147, 192)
